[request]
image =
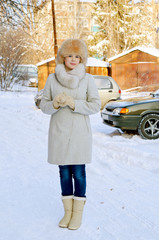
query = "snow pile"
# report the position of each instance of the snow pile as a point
(122, 181)
(93, 62)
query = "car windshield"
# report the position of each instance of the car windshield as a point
(103, 83)
(21, 69)
(26, 69)
(32, 70)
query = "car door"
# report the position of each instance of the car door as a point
(105, 89)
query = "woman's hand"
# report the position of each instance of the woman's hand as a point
(70, 102)
(63, 100)
(59, 100)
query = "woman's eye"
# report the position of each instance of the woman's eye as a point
(77, 56)
(70, 56)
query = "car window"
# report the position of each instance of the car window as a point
(21, 69)
(103, 83)
(25, 72)
(32, 70)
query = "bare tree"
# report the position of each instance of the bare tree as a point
(11, 52)
(15, 12)
(12, 12)
(23, 15)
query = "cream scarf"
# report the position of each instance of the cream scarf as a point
(70, 79)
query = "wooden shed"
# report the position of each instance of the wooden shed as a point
(94, 66)
(138, 67)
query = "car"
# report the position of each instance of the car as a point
(136, 114)
(28, 73)
(108, 90)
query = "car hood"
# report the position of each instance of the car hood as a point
(130, 102)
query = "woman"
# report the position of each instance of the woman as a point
(70, 96)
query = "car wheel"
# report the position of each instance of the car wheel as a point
(149, 126)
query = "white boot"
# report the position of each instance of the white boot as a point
(68, 205)
(78, 205)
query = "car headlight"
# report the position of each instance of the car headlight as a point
(118, 111)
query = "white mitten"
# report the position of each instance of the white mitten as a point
(70, 102)
(59, 100)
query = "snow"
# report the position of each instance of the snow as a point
(26, 65)
(122, 180)
(90, 62)
(151, 51)
(45, 61)
(102, 43)
(96, 62)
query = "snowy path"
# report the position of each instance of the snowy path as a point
(122, 182)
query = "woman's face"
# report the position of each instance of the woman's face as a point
(71, 61)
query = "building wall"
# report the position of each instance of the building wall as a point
(136, 69)
(73, 20)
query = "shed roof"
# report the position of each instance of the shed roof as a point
(152, 51)
(45, 61)
(91, 62)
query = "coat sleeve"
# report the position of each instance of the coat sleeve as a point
(92, 104)
(46, 104)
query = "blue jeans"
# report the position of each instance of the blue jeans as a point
(70, 187)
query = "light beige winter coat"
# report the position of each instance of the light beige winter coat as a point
(70, 136)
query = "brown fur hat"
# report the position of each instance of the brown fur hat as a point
(72, 46)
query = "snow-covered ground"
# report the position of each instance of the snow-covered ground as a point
(122, 180)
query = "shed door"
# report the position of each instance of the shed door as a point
(148, 74)
(126, 75)
(136, 74)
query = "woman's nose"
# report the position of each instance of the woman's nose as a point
(73, 58)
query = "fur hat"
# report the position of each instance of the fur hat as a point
(72, 46)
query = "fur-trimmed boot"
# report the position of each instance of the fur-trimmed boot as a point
(68, 205)
(76, 220)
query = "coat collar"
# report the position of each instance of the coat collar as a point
(70, 79)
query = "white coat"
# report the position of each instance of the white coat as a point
(70, 136)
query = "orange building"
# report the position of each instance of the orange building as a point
(138, 67)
